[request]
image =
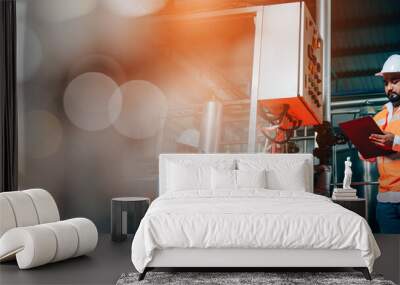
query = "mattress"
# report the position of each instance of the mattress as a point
(251, 219)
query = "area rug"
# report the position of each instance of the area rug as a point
(253, 278)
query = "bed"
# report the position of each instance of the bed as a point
(246, 211)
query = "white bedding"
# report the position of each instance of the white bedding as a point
(251, 218)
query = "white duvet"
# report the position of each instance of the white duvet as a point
(252, 218)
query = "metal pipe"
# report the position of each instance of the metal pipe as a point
(251, 146)
(236, 102)
(305, 138)
(305, 141)
(359, 102)
(359, 183)
(324, 23)
(345, 111)
(210, 130)
(334, 162)
(367, 188)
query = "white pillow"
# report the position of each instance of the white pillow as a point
(251, 178)
(188, 177)
(281, 174)
(291, 178)
(227, 179)
(223, 179)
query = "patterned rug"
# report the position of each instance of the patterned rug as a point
(253, 278)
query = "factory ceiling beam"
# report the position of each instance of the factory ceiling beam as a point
(366, 22)
(201, 5)
(194, 6)
(390, 48)
(356, 73)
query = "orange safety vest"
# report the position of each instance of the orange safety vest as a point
(389, 166)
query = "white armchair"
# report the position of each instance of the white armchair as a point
(31, 230)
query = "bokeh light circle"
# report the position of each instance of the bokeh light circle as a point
(92, 101)
(144, 108)
(134, 8)
(43, 134)
(62, 10)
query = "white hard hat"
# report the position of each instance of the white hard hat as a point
(391, 65)
(189, 137)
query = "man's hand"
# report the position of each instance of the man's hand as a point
(385, 141)
(371, 160)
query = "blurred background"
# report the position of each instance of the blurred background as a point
(105, 86)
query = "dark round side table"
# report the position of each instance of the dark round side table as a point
(126, 214)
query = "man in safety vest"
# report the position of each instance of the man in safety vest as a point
(388, 120)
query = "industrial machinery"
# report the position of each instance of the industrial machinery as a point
(290, 72)
(279, 85)
(291, 64)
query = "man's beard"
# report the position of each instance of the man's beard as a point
(394, 98)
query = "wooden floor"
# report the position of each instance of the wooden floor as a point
(110, 260)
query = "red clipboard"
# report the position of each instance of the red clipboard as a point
(358, 131)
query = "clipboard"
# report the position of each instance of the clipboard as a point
(358, 131)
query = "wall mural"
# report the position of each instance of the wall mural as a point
(104, 87)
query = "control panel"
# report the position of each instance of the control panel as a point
(312, 65)
(290, 67)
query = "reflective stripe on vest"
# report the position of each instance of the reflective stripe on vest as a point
(389, 166)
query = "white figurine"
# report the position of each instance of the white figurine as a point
(347, 174)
